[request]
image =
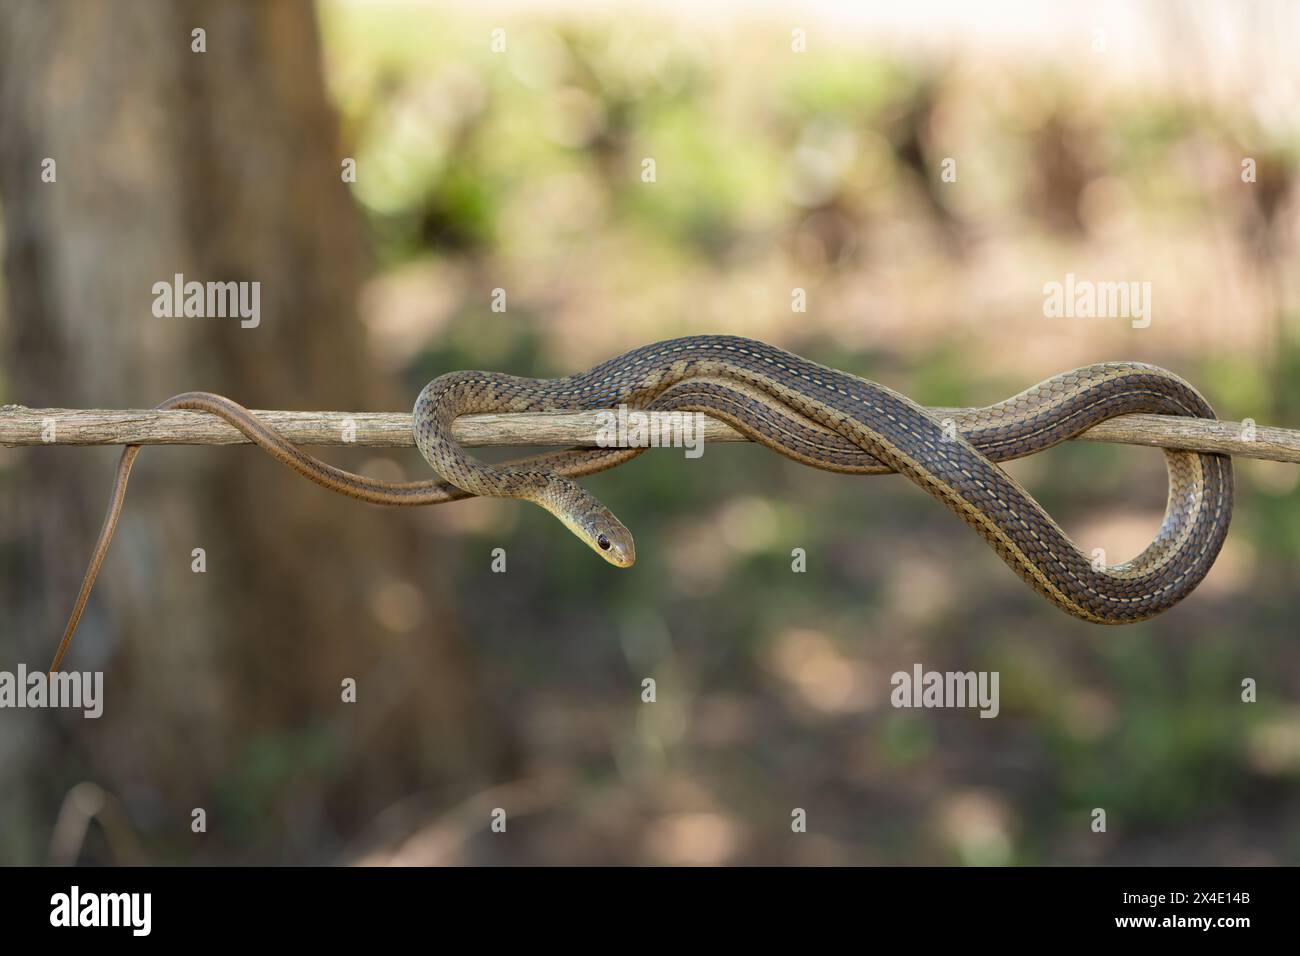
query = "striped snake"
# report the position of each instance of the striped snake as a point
(821, 417)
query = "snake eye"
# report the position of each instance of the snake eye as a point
(603, 542)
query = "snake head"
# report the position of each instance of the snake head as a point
(607, 536)
(584, 515)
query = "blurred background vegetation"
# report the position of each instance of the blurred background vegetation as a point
(1101, 140)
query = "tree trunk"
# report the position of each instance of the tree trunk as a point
(222, 689)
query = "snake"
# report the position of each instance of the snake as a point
(816, 415)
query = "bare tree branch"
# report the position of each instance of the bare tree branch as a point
(20, 425)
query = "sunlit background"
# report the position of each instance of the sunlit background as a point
(795, 146)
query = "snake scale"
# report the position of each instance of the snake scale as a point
(821, 417)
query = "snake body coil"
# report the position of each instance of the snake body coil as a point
(819, 416)
(834, 420)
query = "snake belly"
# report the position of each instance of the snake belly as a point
(836, 421)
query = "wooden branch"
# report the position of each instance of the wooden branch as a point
(20, 425)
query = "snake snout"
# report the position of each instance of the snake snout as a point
(608, 536)
(621, 551)
(610, 539)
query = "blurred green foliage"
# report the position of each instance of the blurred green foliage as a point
(820, 172)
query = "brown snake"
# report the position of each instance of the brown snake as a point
(819, 416)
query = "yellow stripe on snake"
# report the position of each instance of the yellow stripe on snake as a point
(821, 417)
